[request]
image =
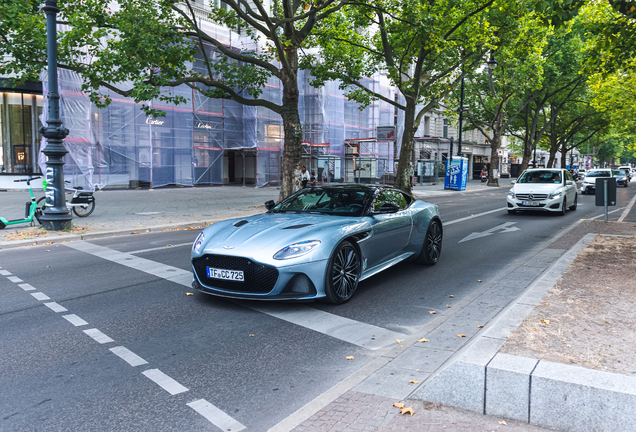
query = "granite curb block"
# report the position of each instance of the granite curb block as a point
(553, 395)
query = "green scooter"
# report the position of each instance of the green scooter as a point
(31, 210)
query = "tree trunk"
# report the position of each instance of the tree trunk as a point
(495, 143)
(564, 154)
(293, 138)
(403, 177)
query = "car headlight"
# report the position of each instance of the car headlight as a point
(297, 249)
(196, 246)
(511, 193)
(554, 195)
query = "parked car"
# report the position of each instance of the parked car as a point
(589, 182)
(621, 177)
(581, 174)
(318, 243)
(543, 189)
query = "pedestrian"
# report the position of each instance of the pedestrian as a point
(412, 175)
(484, 173)
(304, 176)
(312, 179)
(576, 173)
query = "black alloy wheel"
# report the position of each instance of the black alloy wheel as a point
(343, 273)
(84, 209)
(575, 204)
(432, 247)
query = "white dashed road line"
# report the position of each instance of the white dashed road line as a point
(128, 356)
(98, 336)
(216, 416)
(5, 272)
(55, 307)
(473, 216)
(165, 382)
(15, 279)
(26, 287)
(75, 320)
(40, 296)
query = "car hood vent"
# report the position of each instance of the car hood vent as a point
(240, 223)
(298, 226)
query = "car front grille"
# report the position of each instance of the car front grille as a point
(259, 278)
(535, 197)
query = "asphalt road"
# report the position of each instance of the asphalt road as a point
(197, 363)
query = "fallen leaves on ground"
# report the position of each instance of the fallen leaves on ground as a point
(503, 422)
(189, 294)
(349, 358)
(478, 280)
(480, 326)
(398, 405)
(432, 312)
(461, 335)
(408, 410)
(414, 382)
(448, 306)
(451, 296)
(251, 335)
(544, 321)
(398, 341)
(423, 340)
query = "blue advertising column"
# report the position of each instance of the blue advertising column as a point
(457, 174)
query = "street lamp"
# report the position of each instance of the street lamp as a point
(56, 216)
(492, 63)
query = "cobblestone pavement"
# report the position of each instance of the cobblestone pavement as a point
(362, 412)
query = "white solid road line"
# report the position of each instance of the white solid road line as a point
(165, 382)
(55, 307)
(15, 279)
(472, 216)
(75, 320)
(98, 336)
(173, 274)
(348, 330)
(159, 248)
(627, 209)
(127, 355)
(40, 296)
(215, 416)
(26, 287)
(5, 272)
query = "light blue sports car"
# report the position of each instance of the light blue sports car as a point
(318, 243)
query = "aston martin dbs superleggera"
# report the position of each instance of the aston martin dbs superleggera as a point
(318, 243)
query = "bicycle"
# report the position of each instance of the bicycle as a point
(82, 203)
(31, 210)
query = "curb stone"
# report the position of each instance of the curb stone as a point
(548, 394)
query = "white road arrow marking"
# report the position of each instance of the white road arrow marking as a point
(506, 227)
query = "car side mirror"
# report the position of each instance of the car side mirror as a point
(513, 182)
(387, 208)
(569, 182)
(270, 205)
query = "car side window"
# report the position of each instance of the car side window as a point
(393, 197)
(382, 198)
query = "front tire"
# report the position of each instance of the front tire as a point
(563, 207)
(343, 273)
(573, 206)
(432, 247)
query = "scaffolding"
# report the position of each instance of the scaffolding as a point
(430, 154)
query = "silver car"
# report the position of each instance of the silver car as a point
(318, 243)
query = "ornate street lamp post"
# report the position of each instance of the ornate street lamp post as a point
(56, 216)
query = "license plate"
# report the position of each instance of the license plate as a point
(530, 203)
(233, 275)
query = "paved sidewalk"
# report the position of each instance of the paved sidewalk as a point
(128, 210)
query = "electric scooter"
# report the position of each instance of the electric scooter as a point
(31, 210)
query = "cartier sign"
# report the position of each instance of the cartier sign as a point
(151, 121)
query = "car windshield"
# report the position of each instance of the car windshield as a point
(624, 171)
(604, 173)
(540, 177)
(618, 172)
(327, 200)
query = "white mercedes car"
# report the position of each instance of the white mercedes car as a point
(551, 190)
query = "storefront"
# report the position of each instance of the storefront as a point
(19, 124)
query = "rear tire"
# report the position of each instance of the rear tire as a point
(432, 246)
(83, 211)
(343, 273)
